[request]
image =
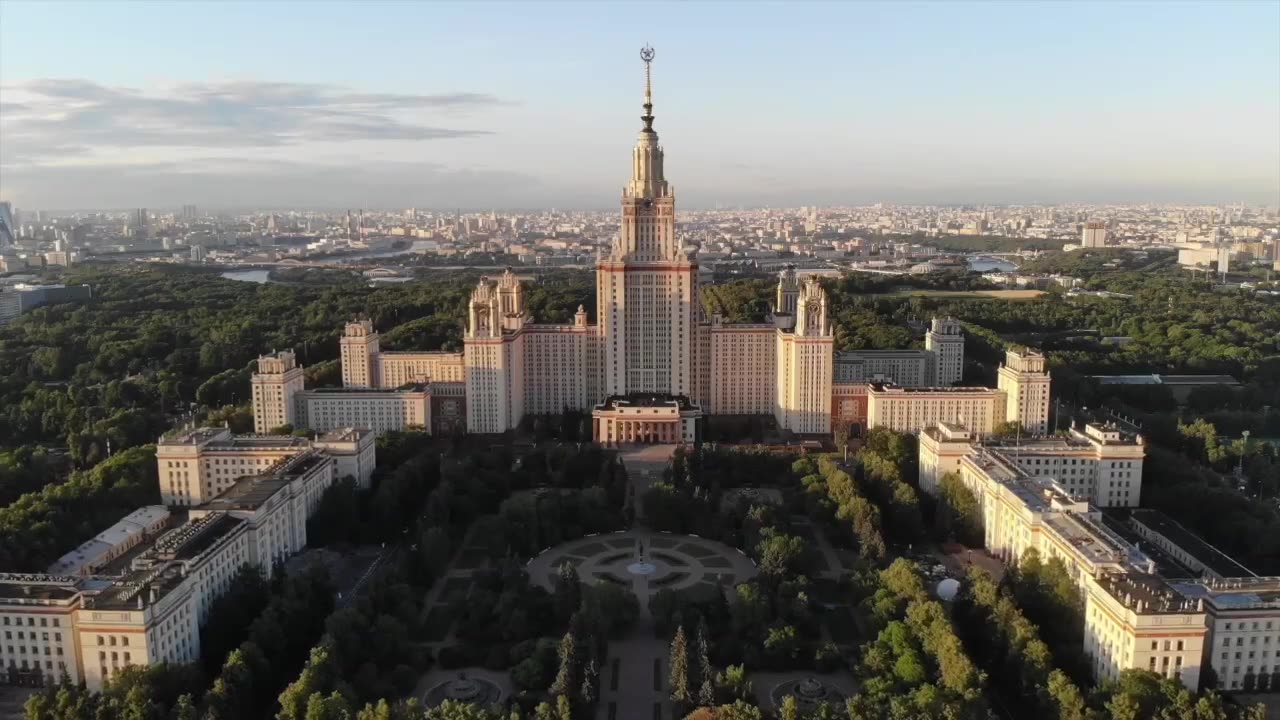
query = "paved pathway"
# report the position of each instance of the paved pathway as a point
(644, 464)
(434, 599)
(835, 569)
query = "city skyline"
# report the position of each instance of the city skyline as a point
(906, 104)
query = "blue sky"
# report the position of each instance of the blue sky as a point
(389, 104)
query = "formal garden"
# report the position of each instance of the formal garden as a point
(561, 580)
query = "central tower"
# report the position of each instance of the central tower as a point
(647, 288)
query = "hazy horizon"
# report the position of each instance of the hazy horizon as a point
(394, 105)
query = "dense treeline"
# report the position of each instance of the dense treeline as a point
(957, 513)
(838, 501)
(748, 300)
(916, 666)
(867, 504)
(769, 622)
(689, 498)
(373, 648)
(25, 469)
(231, 614)
(1052, 599)
(124, 366)
(1008, 645)
(40, 526)
(276, 646)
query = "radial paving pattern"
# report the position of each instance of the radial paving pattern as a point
(669, 561)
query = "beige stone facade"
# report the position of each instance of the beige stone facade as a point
(1099, 463)
(911, 410)
(1134, 617)
(1025, 382)
(144, 608)
(740, 356)
(278, 380)
(198, 465)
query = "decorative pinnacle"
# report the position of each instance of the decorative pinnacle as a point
(646, 54)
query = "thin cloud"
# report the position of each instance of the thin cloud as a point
(59, 113)
(250, 182)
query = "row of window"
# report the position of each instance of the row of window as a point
(57, 637)
(22, 650)
(31, 622)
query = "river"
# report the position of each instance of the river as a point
(991, 265)
(257, 276)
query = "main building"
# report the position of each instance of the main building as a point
(653, 363)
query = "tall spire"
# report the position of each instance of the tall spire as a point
(646, 54)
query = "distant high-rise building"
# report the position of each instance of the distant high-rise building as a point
(8, 228)
(354, 224)
(141, 223)
(188, 212)
(945, 339)
(1094, 235)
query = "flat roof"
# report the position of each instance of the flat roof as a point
(647, 400)
(265, 442)
(195, 536)
(37, 588)
(407, 387)
(1198, 380)
(1155, 379)
(130, 526)
(1085, 537)
(194, 436)
(1191, 543)
(1146, 594)
(346, 434)
(249, 493)
(852, 356)
(1235, 594)
(424, 353)
(891, 388)
(1166, 565)
(1127, 379)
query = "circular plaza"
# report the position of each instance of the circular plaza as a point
(645, 562)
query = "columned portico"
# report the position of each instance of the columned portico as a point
(645, 419)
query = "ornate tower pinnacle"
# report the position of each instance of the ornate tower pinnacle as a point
(647, 180)
(646, 54)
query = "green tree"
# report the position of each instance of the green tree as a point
(564, 682)
(567, 591)
(679, 676)
(590, 679)
(790, 709)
